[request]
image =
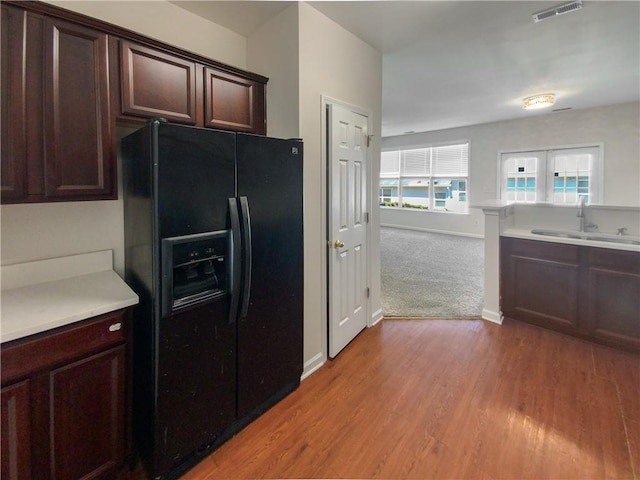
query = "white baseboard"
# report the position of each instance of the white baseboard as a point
(490, 315)
(376, 317)
(433, 230)
(312, 365)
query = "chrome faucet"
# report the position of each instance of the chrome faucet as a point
(582, 215)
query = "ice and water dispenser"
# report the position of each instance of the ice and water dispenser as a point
(196, 268)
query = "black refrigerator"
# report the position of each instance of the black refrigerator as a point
(214, 249)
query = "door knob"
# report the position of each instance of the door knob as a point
(338, 244)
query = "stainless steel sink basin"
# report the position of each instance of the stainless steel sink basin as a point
(593, 236)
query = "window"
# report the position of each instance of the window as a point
(430, 178)
(559, 176)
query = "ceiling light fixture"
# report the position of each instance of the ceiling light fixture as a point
(559, 10)
(538, 101)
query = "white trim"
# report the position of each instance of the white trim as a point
(324, 294)
(426, 211)
(491, 316)
(432, 230)
(310, 366)
(376, 317)
(413, 146)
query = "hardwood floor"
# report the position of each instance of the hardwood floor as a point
(450, 399)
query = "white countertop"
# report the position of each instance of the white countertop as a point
(42, 295)
(526, 234)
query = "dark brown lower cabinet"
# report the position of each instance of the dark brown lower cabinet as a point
(16, 432)
(87, 417)
(613, 293)
(65, 402)
(588, 292)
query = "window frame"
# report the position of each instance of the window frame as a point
(430, 178)
(545, 188)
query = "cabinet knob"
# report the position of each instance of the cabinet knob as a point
(114, 327)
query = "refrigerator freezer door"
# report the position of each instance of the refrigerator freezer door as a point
(185, 366)
(270, 337)
(196, 383)
(196, 176)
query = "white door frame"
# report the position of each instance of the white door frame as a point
(325, 102)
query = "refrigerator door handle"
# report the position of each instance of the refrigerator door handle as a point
(235, 250)
(246, 228)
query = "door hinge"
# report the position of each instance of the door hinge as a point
(369, 139)
(366, 217)
(368, 292)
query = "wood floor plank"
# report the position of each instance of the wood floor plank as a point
(442, 399)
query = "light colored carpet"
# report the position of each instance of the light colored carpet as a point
(430, 274)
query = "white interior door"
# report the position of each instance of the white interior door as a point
(347, 258)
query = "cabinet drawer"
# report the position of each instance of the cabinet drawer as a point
(554, 252)
(618, 260)
(38, 352)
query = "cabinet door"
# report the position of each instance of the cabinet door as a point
(613, 297)
(13, 161)
(88, 416)
(233, 103)
(155, 84)
(540, 283)
(80, 161)
(16, 432)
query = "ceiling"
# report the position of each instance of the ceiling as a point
(454, 63)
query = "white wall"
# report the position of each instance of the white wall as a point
(616, 126)
(48, 230)
(273, 51)
(333, 62)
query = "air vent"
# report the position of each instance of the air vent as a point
(559, 10)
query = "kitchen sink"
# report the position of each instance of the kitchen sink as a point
(593, 236)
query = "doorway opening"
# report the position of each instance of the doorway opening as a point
(428, 274)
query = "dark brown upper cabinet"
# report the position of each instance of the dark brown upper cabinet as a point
(68, 78)
(13, 145)
(233, 103)
(78, 151)
(56, 128)
(155, 84)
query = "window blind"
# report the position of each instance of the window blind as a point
(390, 163)
(415, 163)
(451, 160)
